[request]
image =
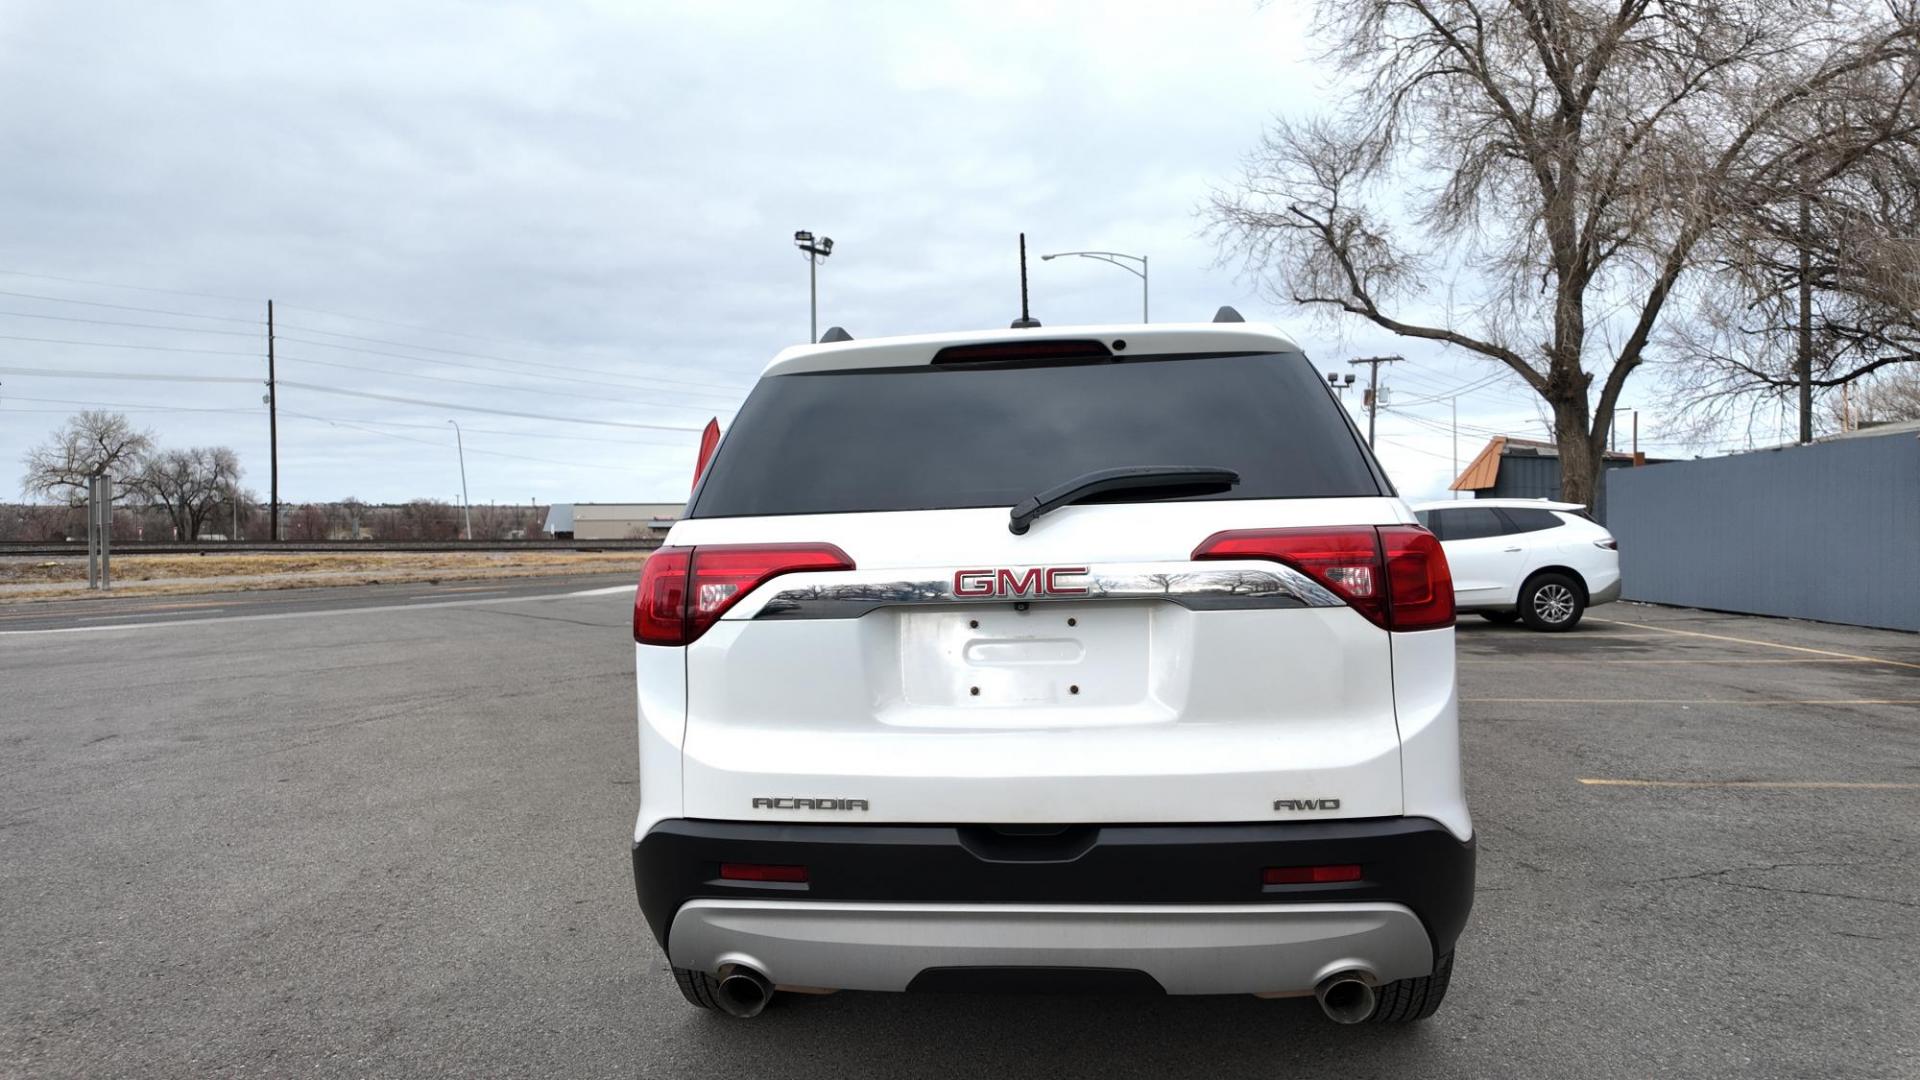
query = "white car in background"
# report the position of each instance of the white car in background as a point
(1543, 563)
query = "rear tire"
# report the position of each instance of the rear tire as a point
(1501, 617)
(1552, 602)
(1413, 999)
(699, 988)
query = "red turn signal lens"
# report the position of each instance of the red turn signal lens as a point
(685, 590)
(1395, 575)
(746, 871)
(1308, 875)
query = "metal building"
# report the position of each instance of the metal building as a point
(1513, 468)
(611, 521)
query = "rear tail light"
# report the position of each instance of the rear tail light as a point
(1308, 875)
(1609, 543)
(1395, 575)
(685, 590)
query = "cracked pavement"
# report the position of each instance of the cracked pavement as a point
(394, 842)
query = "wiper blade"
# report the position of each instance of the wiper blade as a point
(1164, 481)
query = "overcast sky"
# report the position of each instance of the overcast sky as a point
(584, 212)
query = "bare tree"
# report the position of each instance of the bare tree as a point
(1564, 164)
(1831, 276)
(90, 444)
(188, 484)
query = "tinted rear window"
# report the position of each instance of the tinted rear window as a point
(930, 437)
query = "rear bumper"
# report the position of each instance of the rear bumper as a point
(892, 906)
(1606, 594)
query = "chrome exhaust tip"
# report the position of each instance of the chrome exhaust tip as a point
(1346, 998)
(743, 992)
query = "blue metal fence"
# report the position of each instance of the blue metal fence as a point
(1829, 531)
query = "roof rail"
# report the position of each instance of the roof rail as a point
(1227, 314)
(834, 334)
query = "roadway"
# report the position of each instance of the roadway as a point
(389, 836)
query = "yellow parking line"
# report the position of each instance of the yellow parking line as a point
(1686, 701)
(1766, 644)
(1786, 784)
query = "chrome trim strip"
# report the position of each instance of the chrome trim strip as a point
(1187, 948)
(1218, 586)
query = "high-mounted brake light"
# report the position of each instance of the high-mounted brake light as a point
(1395, 575)
(685, 590)
(1018, 352)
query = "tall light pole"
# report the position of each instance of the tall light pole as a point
(815, 250)
(1120, 260)
(466, 507)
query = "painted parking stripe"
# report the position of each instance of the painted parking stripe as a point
(1754, 641)
(1785, 785)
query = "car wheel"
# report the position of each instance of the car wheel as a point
(1407, 1000)
(1501, 617)
(1552, 602)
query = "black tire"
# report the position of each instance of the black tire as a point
(699, 988)
(1501, 617)
(1413, 999)
(1552, 602)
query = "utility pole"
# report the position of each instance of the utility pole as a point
(465, 506)
(1803, 365)
(1453, 404)
(273, 432)
(1373, 388)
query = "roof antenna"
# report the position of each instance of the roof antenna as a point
(1025, 321)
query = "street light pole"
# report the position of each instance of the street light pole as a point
(465, 506)
(815, 250)
(1114, 258)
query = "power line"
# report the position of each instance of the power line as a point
(129, 307)
(502, 371)
(131, 407)
(141, 326)
(476, 408)
(525, 434)
(335, 422)
(136, 288)
(124, 345)
(485, 385)
(489, 356)
(143, 376)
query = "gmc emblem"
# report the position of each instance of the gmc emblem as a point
(1034, 582)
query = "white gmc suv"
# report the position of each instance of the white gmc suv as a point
(1076, 660)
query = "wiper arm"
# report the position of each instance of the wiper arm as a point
(1165, 481)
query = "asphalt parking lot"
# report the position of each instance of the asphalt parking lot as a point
(361, 840)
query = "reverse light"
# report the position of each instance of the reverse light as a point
(737, 871)
(685, 590)
(1395, 575)
(1308, 875)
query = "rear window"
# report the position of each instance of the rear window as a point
(931, 437)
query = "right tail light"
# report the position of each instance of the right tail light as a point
(1395, 575)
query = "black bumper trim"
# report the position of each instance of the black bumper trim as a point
(1411, 861)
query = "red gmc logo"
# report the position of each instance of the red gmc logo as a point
(1034, 582)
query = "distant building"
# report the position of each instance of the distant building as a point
(1512, 468)
(611, 521)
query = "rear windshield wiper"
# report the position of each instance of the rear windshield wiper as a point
(1163, 481)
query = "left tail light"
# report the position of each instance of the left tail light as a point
(685, 590)
(1395, 575)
